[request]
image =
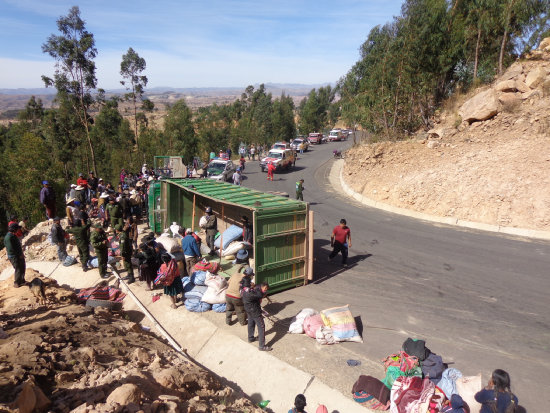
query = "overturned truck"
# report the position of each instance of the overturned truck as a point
(282, 247)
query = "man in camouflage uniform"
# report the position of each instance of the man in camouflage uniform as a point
(81, 234)
(114, 213)
(99, 241)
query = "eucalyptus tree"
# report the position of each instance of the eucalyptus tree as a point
(75, 71)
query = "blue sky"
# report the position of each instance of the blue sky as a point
(197, 43)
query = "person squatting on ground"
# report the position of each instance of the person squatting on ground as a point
(15, 255)
(340, 241)
(99, 241)
(58, 236)
(252, 298)
(81, 234)
(211, 228)
(497, 396)
(233, 299)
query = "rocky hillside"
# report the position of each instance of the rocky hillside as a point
(66, 357)
(487, 159)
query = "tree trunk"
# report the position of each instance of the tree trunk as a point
(502, 47)
(477, 52)
(135, 115)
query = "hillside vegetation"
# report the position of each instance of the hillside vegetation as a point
(487, 158)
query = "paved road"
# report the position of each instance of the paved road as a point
(479, 299)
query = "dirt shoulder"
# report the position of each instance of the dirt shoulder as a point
(494, 171)
(64, 356)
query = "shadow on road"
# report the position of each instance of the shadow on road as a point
(324, 269)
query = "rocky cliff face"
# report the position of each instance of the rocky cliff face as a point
(487, 161)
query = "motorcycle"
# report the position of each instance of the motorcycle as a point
(337, 154)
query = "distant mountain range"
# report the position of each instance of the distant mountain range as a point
(13, 100)
(275, 88)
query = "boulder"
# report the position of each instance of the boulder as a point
(509, 100)
(513, 72)
(545, 45)
(433, 144)
(506, 86)
(125, 394)
(522, 87)
(536, 77)
(31, 398)
(482, 106)
(141, 356)
(170, 378)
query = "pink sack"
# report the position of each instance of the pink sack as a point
(312, 324)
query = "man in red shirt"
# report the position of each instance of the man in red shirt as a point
(340, 241)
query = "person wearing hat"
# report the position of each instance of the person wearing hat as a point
(237, 177)
(211, 228)
(71, 192)
(252, 300)
(233, 300)
(71, 211)
(190, 251)
(15, 254)
(47, 198)
(81, 234)
(99, 241)
(57, 235)
(100, 186)
(80, 194)
(113, 213)
(81, 181)
(13, 220)
(241, 257)
(300, 190)
(126, 251)
(144, 169)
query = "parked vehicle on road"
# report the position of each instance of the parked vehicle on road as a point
(300, 144)
(316, 138)
(281, 158)
(221, 169)
(281, 145)
(335, 135)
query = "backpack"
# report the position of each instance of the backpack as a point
(511, 408)
(416, 348)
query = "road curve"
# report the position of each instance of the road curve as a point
(478, 298)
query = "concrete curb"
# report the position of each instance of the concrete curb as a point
(337, 169)
(260, 375)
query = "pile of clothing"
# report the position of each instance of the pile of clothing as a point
(204, 290)
(417, 380)
(330, 326)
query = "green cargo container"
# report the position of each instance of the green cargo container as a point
(283, 228)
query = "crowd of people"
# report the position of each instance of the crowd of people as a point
(98, 213)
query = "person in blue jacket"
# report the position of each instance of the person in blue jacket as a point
(191, 251)
(497, 397)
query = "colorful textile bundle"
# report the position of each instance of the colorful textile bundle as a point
(342, 323)
(101, 293)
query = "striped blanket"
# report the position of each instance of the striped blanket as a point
(101, 293)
